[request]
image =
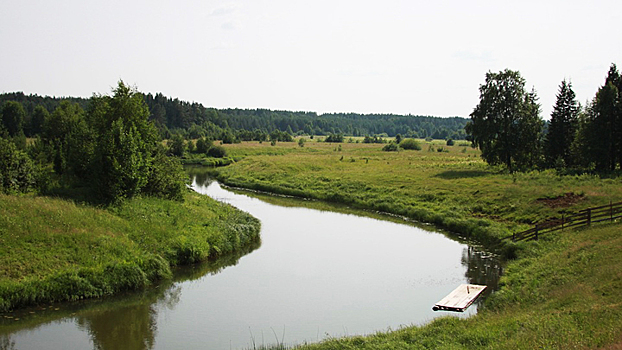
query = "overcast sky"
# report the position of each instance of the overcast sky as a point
(417, 57)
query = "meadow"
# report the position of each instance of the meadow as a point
(449, 186)
(53, 249)
(560, 292)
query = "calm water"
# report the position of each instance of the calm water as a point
(316, 274)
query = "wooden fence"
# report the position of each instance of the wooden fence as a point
(585, 217)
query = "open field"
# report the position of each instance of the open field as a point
(453, 189)
(54, 250)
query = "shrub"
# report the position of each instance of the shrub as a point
(450, 142)
(203, 145)
(411, 144)
(217, 152)
(391, 147)
(17, 172)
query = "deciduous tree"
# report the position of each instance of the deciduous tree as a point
(505, 124)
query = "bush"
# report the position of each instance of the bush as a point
(166, 178)
(17, 172)
(411, 144)
(391, 147)
(203, 145)
(216, 152)
(450, 142)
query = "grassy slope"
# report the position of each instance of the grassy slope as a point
(563, 292)
(454, 189)
(53, 249)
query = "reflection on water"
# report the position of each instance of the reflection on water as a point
(318, 273)
(123, 322)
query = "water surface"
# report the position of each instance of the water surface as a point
(317, 273)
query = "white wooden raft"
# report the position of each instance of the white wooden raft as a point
(460, 299)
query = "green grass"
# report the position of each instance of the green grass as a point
(55, 250)
(455, 190)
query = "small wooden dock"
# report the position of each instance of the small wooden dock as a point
(460, 299)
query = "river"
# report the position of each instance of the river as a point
(317, 274)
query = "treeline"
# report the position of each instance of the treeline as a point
(111, 148)
(350, 124)
(193, 120)
(506, 125)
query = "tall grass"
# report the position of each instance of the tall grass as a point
(56, 250)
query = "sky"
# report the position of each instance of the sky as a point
(391, 56)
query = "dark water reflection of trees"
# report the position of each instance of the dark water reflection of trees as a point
(483, 268)
(124, 322)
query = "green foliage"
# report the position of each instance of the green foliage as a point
(391, 147)
(39, 117)
(334, 138)
(13, 116)
(17, 172)
(506, 124)
(282, 136)
(69, 140)
(450, 142)
(410, 144)
(203, 145)
(176, 146)
(604, 124)
(55, 250)
(373, 139)
(124, 162)
(301, 142)
(562, 127)
(166, 178)
(216, 152)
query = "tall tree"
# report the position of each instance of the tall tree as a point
(506, 124)
(605, 123)
(127, 160)
(39, 116)
(13, 116)
(67, 135)
(563, 126)
(126, 141)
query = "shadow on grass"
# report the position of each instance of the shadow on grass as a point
(461, 174)
(82, 195)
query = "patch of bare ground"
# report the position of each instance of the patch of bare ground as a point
(564, 201)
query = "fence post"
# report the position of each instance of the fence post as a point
(589, 216)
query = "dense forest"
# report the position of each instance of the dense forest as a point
(193, 120)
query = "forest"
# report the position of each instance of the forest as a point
(192, 120)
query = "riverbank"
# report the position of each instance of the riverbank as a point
(561, 292)
(453, 189)
(55, 250)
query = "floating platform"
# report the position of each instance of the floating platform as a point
(460, 299)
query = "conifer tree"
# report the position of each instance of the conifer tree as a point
(562, 127)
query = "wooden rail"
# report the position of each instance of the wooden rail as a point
(584, 217)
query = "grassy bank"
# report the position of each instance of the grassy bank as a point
(54, 250)
(453, 188)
